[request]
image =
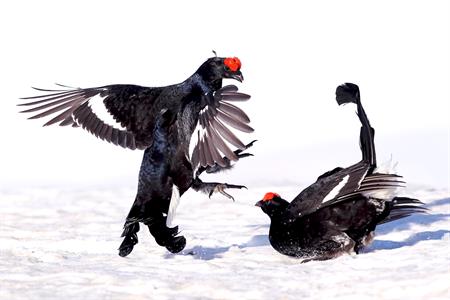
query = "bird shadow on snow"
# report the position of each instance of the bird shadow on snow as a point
(406, 223)
(445, 201)
(209, 253)
(411, 241)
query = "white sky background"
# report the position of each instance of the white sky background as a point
(293, 55)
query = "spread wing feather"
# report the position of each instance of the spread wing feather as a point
(129, 105)
(212, 132)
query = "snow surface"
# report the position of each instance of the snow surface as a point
(62, 244)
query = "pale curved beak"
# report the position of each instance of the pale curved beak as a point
(238, 76)
(259, 203)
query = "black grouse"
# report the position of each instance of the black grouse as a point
(339, 212)
(161, 120)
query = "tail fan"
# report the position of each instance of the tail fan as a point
(349, 93)
(403, 207)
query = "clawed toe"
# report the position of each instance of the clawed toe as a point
(239, 151)
(242, 155)
(250, 144)
(220, 188)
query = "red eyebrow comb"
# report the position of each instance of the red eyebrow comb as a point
(233, 63)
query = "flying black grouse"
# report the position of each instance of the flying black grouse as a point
(162, 120)
(339, 212)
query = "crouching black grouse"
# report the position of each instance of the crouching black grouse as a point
(339, 212)
(162, 120)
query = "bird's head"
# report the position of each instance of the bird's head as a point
(272, 204)
(217, 68)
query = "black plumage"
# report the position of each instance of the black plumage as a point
(339, 212)
(161, 120)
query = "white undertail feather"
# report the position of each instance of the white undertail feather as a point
(387, 167)
(174, 201)
(384, 194)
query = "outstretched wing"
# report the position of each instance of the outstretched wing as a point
(129, 105)
(212, 136)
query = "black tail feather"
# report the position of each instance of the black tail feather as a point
(349, 93)
(403, 207)
(406, 200)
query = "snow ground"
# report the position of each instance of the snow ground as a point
(61, 244)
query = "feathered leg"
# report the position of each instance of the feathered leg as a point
(151, 203)
(153, 196)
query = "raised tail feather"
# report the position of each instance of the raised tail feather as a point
(349, 93)
(403, 207)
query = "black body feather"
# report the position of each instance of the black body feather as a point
(339, 212)
(160, 120)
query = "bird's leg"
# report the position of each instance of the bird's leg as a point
(214, 187)
(217, 187)
(165, 236)
(153, 197)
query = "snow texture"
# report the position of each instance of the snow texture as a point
(62, 244)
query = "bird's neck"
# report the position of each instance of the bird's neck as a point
(205, 84)
(276, 214)
(280, 223)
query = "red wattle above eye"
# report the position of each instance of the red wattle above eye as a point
(233, 63)
(269, 196)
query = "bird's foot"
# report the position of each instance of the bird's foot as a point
(176, 244)
(218, 168)
(129, 234)
(220, 188)
(128, 244)
(166, 236)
